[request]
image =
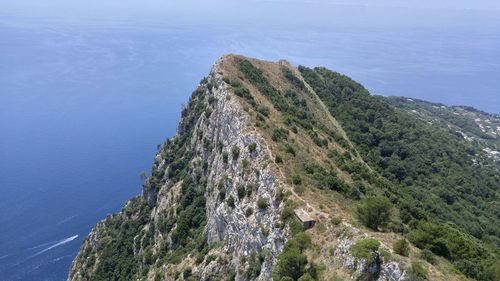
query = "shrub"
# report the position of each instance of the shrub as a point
(254, 267)
(296, 179)
(295, 226)
(278, 159)
(291, 263)
(187, 272)
(306, 277)
(249, 211)
(243, 92)
(231, 275)
(241, 191)
(264, 110)
(245, 163)
(279, 195)
(288, 74)
(212, 99)
(222, 193)
(375, 212)
(211, 258)
(401, 247)
(428, 256)
(302, 240)
(286, 213)
(417, 271)
(252, 147)
(262, 203)
(250, 188)
(230, 201)
(235, 151)
(224, 157)
(289, 149)
(279, 134)
(364, 248)
(336, 220)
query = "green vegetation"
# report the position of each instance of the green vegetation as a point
(401, 247)
(365, 248)
(292, 263)
(293, 108)
(249, 211)
(324, 179)
(417, 271)
(230, 201)
(254, 266)
(279, 134)
(252, 147)
(235, 151)
(241, 91)
(278, 159)
(375, 212)
(466, 252)
(289, 149)
(296, 179)
(190, 214)
(294, 80)
(428, 256)
(262, 203)
(117, 261)
(336, 220)
(264, 110)
(241, 191)
(425, 171)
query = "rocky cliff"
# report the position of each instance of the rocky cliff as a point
(254, 143)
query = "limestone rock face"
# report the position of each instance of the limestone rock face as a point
(238, 233)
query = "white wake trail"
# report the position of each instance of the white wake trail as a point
(62, 242)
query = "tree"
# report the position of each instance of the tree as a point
(365, 248)
(375, 212)
(291, 263)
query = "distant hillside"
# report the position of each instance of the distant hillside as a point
(283, 173)
(480, 129)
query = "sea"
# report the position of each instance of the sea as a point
(86, 93)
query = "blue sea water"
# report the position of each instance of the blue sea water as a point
(84, 103)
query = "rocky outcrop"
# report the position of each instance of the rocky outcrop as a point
(238, 233)
(220, 151)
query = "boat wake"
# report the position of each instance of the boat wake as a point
(62, 242)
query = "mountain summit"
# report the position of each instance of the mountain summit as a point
(284, 173)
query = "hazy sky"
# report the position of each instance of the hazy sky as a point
(317, 11)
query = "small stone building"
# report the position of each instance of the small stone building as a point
(306, 220)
